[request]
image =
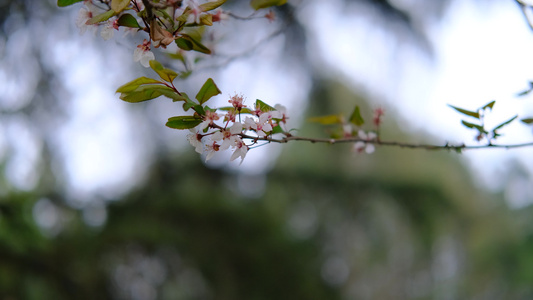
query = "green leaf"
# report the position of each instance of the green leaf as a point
(208, 90)
(147, 92)
(504, 123)
(263, 106)
(187, 42)
(471, 125)
(211, 5)
(527, 121)
(128, 20)
(489, 105)
(101, 17)
(244, 110)
(172, 94)
(258, 4)
(277, 129)
(63, 3)
(206, 19)
(466, 112)
(185, 74)
(328, 120)
(165, 74)
(184, 122)
(524, 93)
(184, 16)
(356, 118)
(164, 14)
(132, 85)
(119, 5)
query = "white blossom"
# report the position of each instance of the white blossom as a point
(261, 126)
(361, 146)
(108, 29)
(240, 149)
(143, 54)
(84, 15)
(195, 139)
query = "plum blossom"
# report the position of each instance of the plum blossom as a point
(209, 119)
(361, 146)
(231, 115)
(227, 136)
(347, 130)
(237, 102)
(107, 32)
(270, 16)
(195, 10)
(211, 150)
(282, 113)
(195, 139)
(240, 149)
(130, 30)
(138, 4)
(143, 54)
(378, 113)
(261, 126)
(219, 15)
(84, 15)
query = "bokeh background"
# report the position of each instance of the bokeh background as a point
(99, 200)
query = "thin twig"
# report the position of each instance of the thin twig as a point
(447, 146)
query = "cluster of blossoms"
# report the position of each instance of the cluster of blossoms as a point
(370, 136)
(230, 132)
(350, 130)
(162, 31)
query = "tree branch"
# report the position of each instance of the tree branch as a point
(446, 146)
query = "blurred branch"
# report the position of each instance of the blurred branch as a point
(527, 10)
(332, 141)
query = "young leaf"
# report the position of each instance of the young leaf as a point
(328, 120)
(244, 110)
(184, 16)
(170, 93)
(258, 4)
(184, 44)
(187, 42)
(147, 92)
(356, 118)
(489, 105)
(471, 125)
(132, 85)
(184, 122)
(188, 103)
(119, 5)
(277, 129)
(165, 74)
(211, 5)
(206, 19)
(128, 21)
(527, 121)
(466, 112)
(524, 93)
(101, 17)
(208, 90)
(504, 123)
(263, 106)
(63, 3)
